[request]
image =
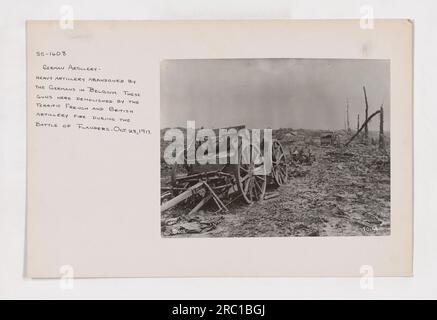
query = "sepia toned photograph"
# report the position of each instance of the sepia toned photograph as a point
(329, 121)
(269, 141)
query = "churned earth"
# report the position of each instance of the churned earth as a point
(343, 192)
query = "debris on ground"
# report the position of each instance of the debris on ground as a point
(302, 155)
(200, 222)
(332, 191)
(271, 195)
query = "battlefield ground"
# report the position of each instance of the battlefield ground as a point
(332, 190)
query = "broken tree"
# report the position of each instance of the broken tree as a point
(358, 122)
(347, 116)
(381, 128)
(366, 129)
(364, 125)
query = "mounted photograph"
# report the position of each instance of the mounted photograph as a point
(280, 147)
(263, 143)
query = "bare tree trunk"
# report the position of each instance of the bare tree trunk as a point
(381, 128)
(362, 127)
(347, 116)
(366, 129)
(358, 122)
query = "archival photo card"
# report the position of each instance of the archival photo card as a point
(219, 148)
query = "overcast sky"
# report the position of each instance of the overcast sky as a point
(275, 93)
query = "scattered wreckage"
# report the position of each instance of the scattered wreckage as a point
(194, 185)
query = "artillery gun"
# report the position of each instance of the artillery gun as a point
(224, 181)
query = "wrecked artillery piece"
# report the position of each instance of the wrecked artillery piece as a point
(193, 186)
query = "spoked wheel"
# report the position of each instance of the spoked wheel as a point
(250, 174)
(279, 164)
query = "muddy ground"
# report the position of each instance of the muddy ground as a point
(343, 192)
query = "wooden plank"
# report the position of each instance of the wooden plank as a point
(200, 204)
(181, 197)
